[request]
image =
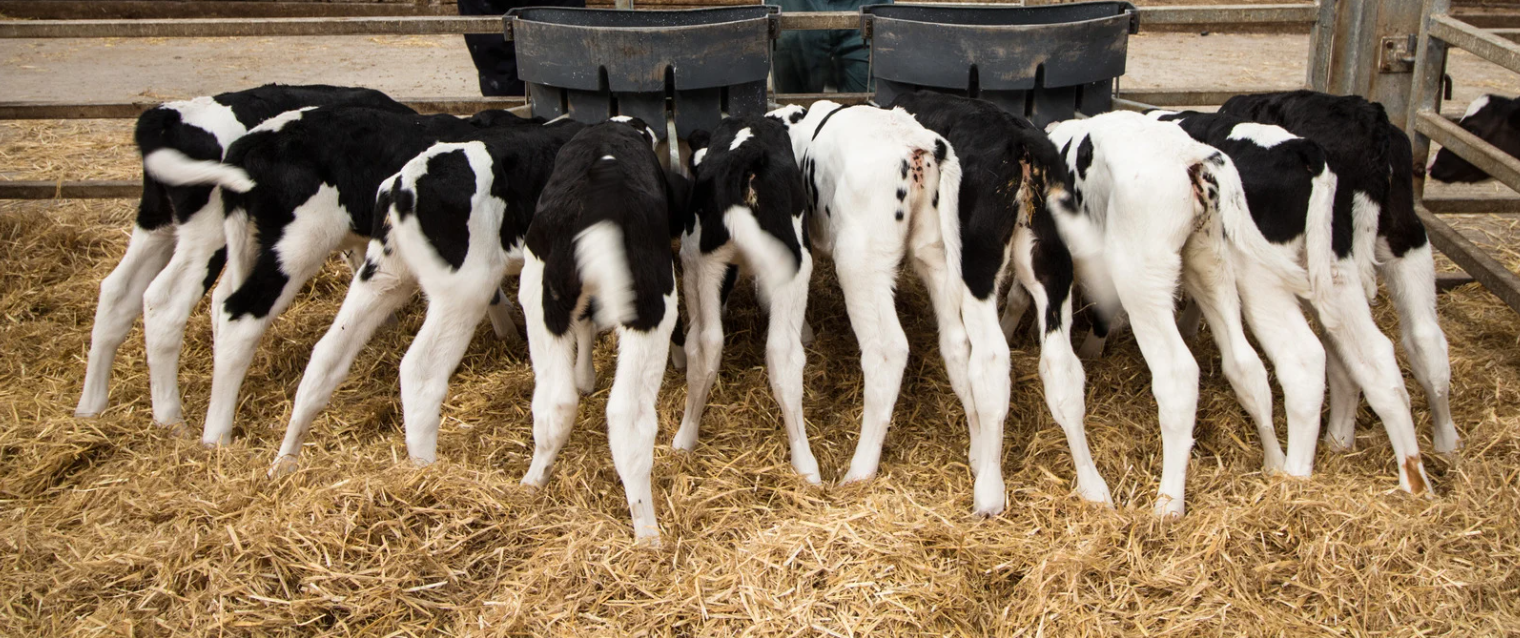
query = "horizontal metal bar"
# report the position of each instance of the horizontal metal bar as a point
(465, 105)
(150, 9)
(1483, 267)
(820, 20)
(1131, 105)
(1305, 14)
(15, 189)
(1195, 97)
(1479, 42)
(1446, 281)
(1469, 205)
(1513, 35)
(435, 25)
(225, 27)
(1502, 166)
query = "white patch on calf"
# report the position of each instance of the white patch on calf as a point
(1263, 135)
(697, 157)
(743, 134)
(174, 168)
(211, 116)
(770, 260)
(1475, 106)
(320, 222)
(274, 124)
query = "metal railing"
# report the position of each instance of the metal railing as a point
(1439, 31)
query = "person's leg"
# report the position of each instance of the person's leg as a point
(851, 55)
(495, 59)
(799, 56)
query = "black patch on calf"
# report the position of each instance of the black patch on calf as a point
(730, 279)
(830, 115)
(368, 271)
(1084, 156)
(993, 148)
(902, 194)
(214, 268)
(940, 150)
(1366, 152)
(1497, 123)
(446, 190)
(629, 192)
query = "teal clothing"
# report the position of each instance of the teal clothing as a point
(806, 61)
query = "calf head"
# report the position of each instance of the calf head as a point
(1491, 117)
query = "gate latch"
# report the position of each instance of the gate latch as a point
(1396, 53)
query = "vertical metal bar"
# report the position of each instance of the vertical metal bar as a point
(626, 5)
(1321, 40)
(1425, 89)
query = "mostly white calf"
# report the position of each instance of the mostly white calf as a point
(314, 174)
(747, 206)
(178, 245)
(884, 187)
(1375, 165)
(454, 218)
(1009, 171)
(1153, 207)
(1290, 189)
(598, 254)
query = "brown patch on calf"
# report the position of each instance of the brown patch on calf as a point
(917, 167)
(1206, 192)
(1416, 480)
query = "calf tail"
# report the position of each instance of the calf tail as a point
(1215, 174)
(946, 202)
(174, 168)
(601, 257)
(1319, 253)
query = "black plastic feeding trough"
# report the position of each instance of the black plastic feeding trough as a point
(593, 64)
(1046, 63)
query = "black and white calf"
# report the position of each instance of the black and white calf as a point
(454, 218)
(598, 255)
(314, 174)
(1290, 189)
(1375, 166)
(1152, 207)
(883, 187)
(178, 245)
(1009, 171)
(1494, 118)
(747, 206)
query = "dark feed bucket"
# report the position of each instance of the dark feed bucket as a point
(592, 64)
(1046, 63)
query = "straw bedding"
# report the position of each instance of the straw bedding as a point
(115, 526)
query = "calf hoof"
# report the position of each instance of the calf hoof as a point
(420, 462)
(283, 466)
(1096, 494)
(1298, 472)
(1445, 445)
(854, 476)
(678, 359)
(1272, 465)
(646, 540)
(807, 335)
(1091, 348)
(991, 496)
(1335, 444)
(808, 470)
(1412, 477)
(1168, 508)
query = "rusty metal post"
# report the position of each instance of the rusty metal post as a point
(1368, 49)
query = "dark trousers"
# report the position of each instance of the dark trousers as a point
(806, 61)
(493, 55)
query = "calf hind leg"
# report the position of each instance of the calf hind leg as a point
(453, 312)
(168, 302)
(1411, 284)
(554, 397)
(369, 302)
(121, 301)
(883, 354)
(631, 418)
(785, 359)
(1296, 354)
